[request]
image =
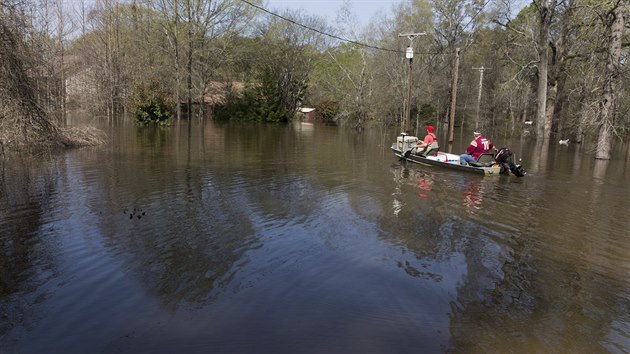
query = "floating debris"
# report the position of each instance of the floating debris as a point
(137, 212)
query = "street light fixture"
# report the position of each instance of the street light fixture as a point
(409, 55)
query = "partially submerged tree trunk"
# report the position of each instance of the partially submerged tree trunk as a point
(614, 29)
(556, 70)
(545, 11)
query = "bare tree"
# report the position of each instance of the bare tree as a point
(64, 28)
(614, 23)
(546, 11)
(216, 28)
(24, 124)
(456, 25)
(170, 21)
(560, 48)
(105, 55)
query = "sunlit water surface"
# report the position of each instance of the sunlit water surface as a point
(309, 239)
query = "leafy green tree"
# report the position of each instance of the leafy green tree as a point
(328, 110)
(270, 107)
(150, 105)
(260, 102)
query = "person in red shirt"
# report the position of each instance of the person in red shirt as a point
(477, 147)
(428, 139)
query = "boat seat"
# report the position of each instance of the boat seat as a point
(484, 160)
(429, 150)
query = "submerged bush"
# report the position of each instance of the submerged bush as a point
(150, 105)
(153, 113)
(327, 110)
(264, 101)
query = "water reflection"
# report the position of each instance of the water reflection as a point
(527, 277)
(153, 138)
(409, 176)
(540, 158)
(262, 238)
(577, 159)
(192, 247)
(305, 128)
(28, 259)
(401, 175)
(425, 184)
(599, 170)
(473, 196)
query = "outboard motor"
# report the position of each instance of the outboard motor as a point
(504, 157)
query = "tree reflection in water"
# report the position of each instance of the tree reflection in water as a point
(251, 230)
(27, 259)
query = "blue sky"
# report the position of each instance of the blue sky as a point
(363, 9)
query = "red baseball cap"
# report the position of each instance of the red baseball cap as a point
(430, 128)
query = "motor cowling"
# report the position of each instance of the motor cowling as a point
(504, 157)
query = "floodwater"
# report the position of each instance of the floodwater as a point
(310, 239)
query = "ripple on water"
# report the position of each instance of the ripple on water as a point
(263, 243)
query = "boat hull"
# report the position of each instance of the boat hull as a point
(446, 160)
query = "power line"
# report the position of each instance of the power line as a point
(321, 32)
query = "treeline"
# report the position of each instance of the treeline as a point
(559, 64)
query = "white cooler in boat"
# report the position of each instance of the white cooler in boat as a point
(406, 144)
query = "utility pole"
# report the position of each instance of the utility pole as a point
(481, 69)
(409, 55)
(451, 123)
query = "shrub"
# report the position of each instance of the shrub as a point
(150, 105)
(327, 110)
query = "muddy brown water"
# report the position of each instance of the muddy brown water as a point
(310, 239)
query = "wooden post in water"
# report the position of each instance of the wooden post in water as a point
(451, 123)
(409, 55)
(477, 119)
(408, 105)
